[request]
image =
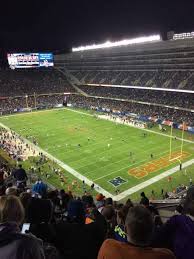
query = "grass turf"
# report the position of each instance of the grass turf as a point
(104, 151)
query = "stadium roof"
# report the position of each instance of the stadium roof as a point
(108, 44)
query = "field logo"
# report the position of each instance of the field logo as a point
(156, 165)
(117, 181)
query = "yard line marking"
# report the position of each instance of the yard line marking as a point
(104, 176)
(152, 131)
(63, 165)
(91, 115)
(152, 180)
(98, 188)
(126, 158)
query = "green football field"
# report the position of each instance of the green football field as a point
(114, 156)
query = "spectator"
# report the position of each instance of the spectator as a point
(119, 231)
(139, 227)
(144, 200)
(40, 188)
(109, 214)
(177, 234)
(100, 201)
(87, 237)
(11, 191)
(13, 244)
(20, 176)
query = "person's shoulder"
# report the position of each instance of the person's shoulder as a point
(112, 243)
(29, 239)
(163, 253)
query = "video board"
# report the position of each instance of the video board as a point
(30, 60)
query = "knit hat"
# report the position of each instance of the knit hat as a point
(100, 197)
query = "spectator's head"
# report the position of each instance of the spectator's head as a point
(179, 209)
(76, 212)
(122, 214)
(108, 212)
(139, 226)
(190, 193)
(108, 201)
(20, 166)
(189, 207)
(11, 210)
(39, 211)
(129, 203)
(143, 195)
(88, 201)
(11, 191)
(100, 197)
(25, 198)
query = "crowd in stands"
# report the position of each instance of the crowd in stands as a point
(43, 82)
(160, 67)
(178, 99)
(178, 116)
(8, 105)
(158, 78)
(50, 101)
(22, 82)
(36, 222)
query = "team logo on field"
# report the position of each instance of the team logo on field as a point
(117, 181)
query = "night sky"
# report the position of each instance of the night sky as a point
(60, 24)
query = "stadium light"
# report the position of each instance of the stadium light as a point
(109, 44)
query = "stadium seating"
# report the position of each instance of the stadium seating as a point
(28, 82)
(178, 99)
(137, 108)
(164, 64)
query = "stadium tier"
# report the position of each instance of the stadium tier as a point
(166, 64)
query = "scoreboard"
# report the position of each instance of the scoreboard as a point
(30, 60)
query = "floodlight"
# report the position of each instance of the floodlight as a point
(125, 42)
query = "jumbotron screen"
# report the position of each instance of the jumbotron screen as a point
(28, 60)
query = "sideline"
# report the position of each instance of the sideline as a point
(152, 180)
(126, 124)
(64, 166)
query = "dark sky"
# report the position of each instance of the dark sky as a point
(60, 24)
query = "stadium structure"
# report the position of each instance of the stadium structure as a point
(143, 87)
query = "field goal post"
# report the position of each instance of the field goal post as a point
(182, 143)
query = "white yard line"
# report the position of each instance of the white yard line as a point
(64, 166)
(128, 167)
(91, 115)
(152, 131)
(152, 180)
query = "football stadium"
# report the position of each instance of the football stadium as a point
(105, 123)
(97, 150)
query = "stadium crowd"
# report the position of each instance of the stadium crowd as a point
(9, 105)
(156, 78)
(22, 82)
(184, 100)
(140, 109)
(43, 82)
(36, 222)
